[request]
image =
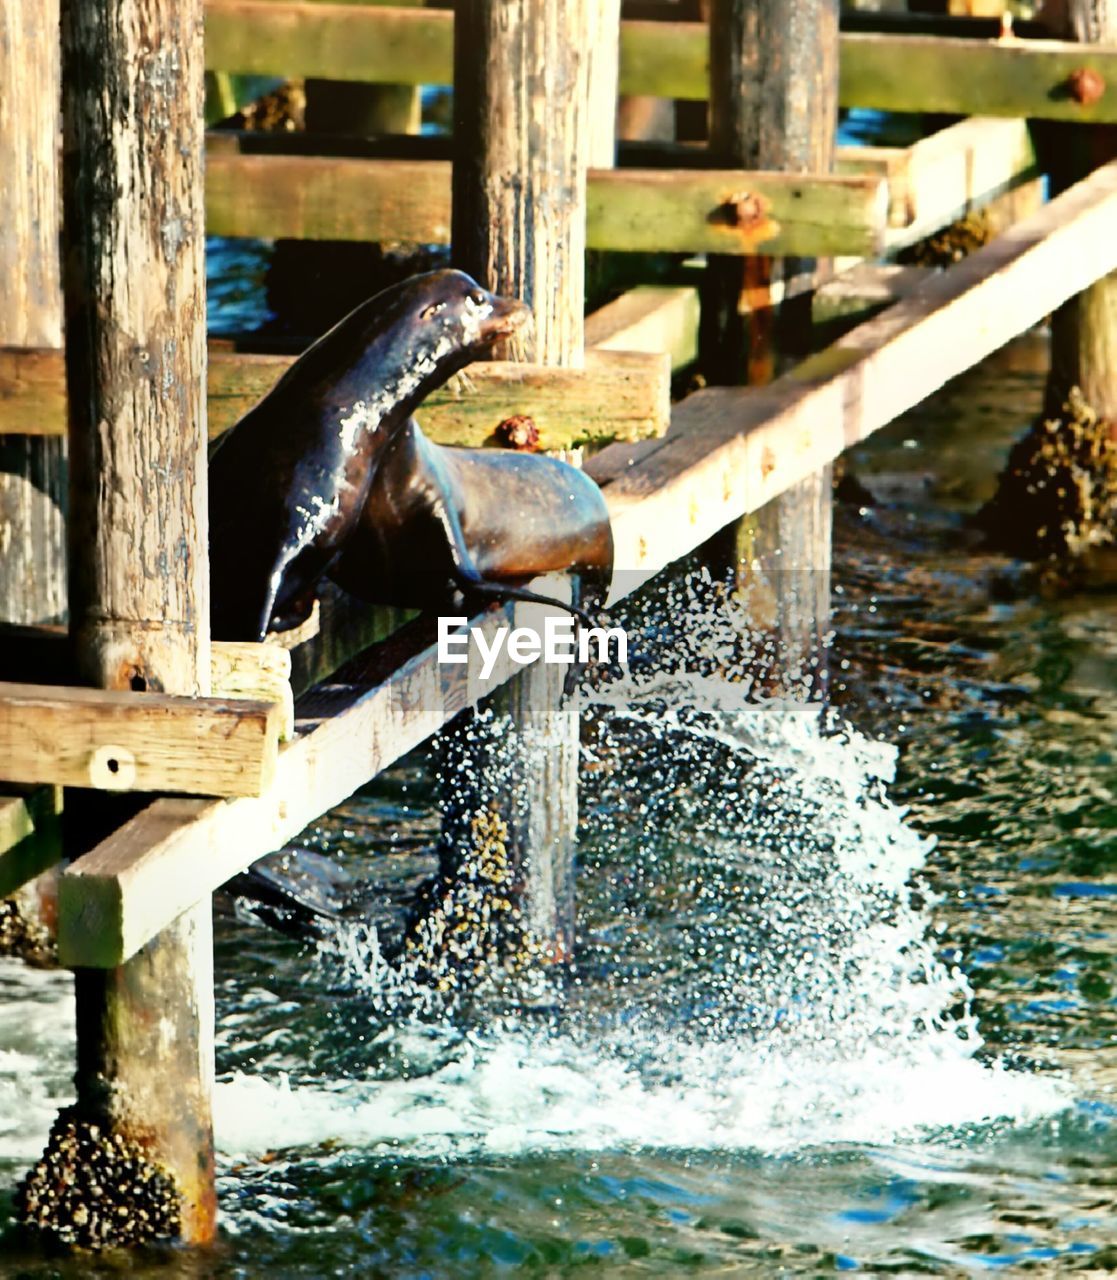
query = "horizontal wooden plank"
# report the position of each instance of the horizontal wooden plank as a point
(648, 318)
(731, 211)
(619, 395)
(117, 897)
(946, 175)
(385, 44)
(136, 741)
(1026, 78)
(340, 198)
(731, 450)
(30, 835)
(667, 59)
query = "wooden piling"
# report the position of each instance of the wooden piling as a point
(1084, 330)
(773, 105)
(139, 590)
(522, 131)
(32, 469)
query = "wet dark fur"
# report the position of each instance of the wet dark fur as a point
(478, 522)
(393, 518)
(288, 483)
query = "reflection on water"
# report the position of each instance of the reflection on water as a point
(809, 1031)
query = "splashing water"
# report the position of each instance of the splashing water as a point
(757, 970)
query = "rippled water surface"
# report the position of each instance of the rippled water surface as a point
(824, 1017)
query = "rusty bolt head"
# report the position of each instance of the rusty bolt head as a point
(518, 432)
(744, 210)
(1085, 86)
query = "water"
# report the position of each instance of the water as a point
(824, 1017)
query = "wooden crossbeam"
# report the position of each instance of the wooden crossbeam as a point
(649, 318)
(136, 742)
(731, 450)
(650, 210)
(929, 183)
(1026, 78)
(41, 654)
(944, 176)
(667, 59)
(619, 395)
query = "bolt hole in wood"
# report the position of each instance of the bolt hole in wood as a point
(112, 769)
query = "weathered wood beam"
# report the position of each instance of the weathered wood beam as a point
(618, 395)
(340, 198)
(667, 59)
(944, 176)
(114, 741)
(1000, 150)
(42, 655)
(390, 45)
(648, 318)
(1027, 78)
(731, 450)
(178, 851)
(256, 672)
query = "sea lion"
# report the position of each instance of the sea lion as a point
(440, 521)
(289, 482)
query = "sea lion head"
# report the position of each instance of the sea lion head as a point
(460, 315)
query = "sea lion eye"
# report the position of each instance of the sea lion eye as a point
(432, 310)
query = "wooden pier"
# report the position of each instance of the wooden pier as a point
(217, 757)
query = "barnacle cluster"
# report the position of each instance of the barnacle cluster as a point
(24, 936)
(1057, 496)
(97, 1190)
(467, 926)
(952, 243)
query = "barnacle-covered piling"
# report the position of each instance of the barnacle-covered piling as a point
(1057, 496)
(95, 1189)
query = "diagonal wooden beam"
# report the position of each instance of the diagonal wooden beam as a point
(731, 450)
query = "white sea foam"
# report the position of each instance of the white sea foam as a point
(517, 1094)
(869, 1056)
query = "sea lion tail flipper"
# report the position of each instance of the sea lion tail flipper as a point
(503, 591)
